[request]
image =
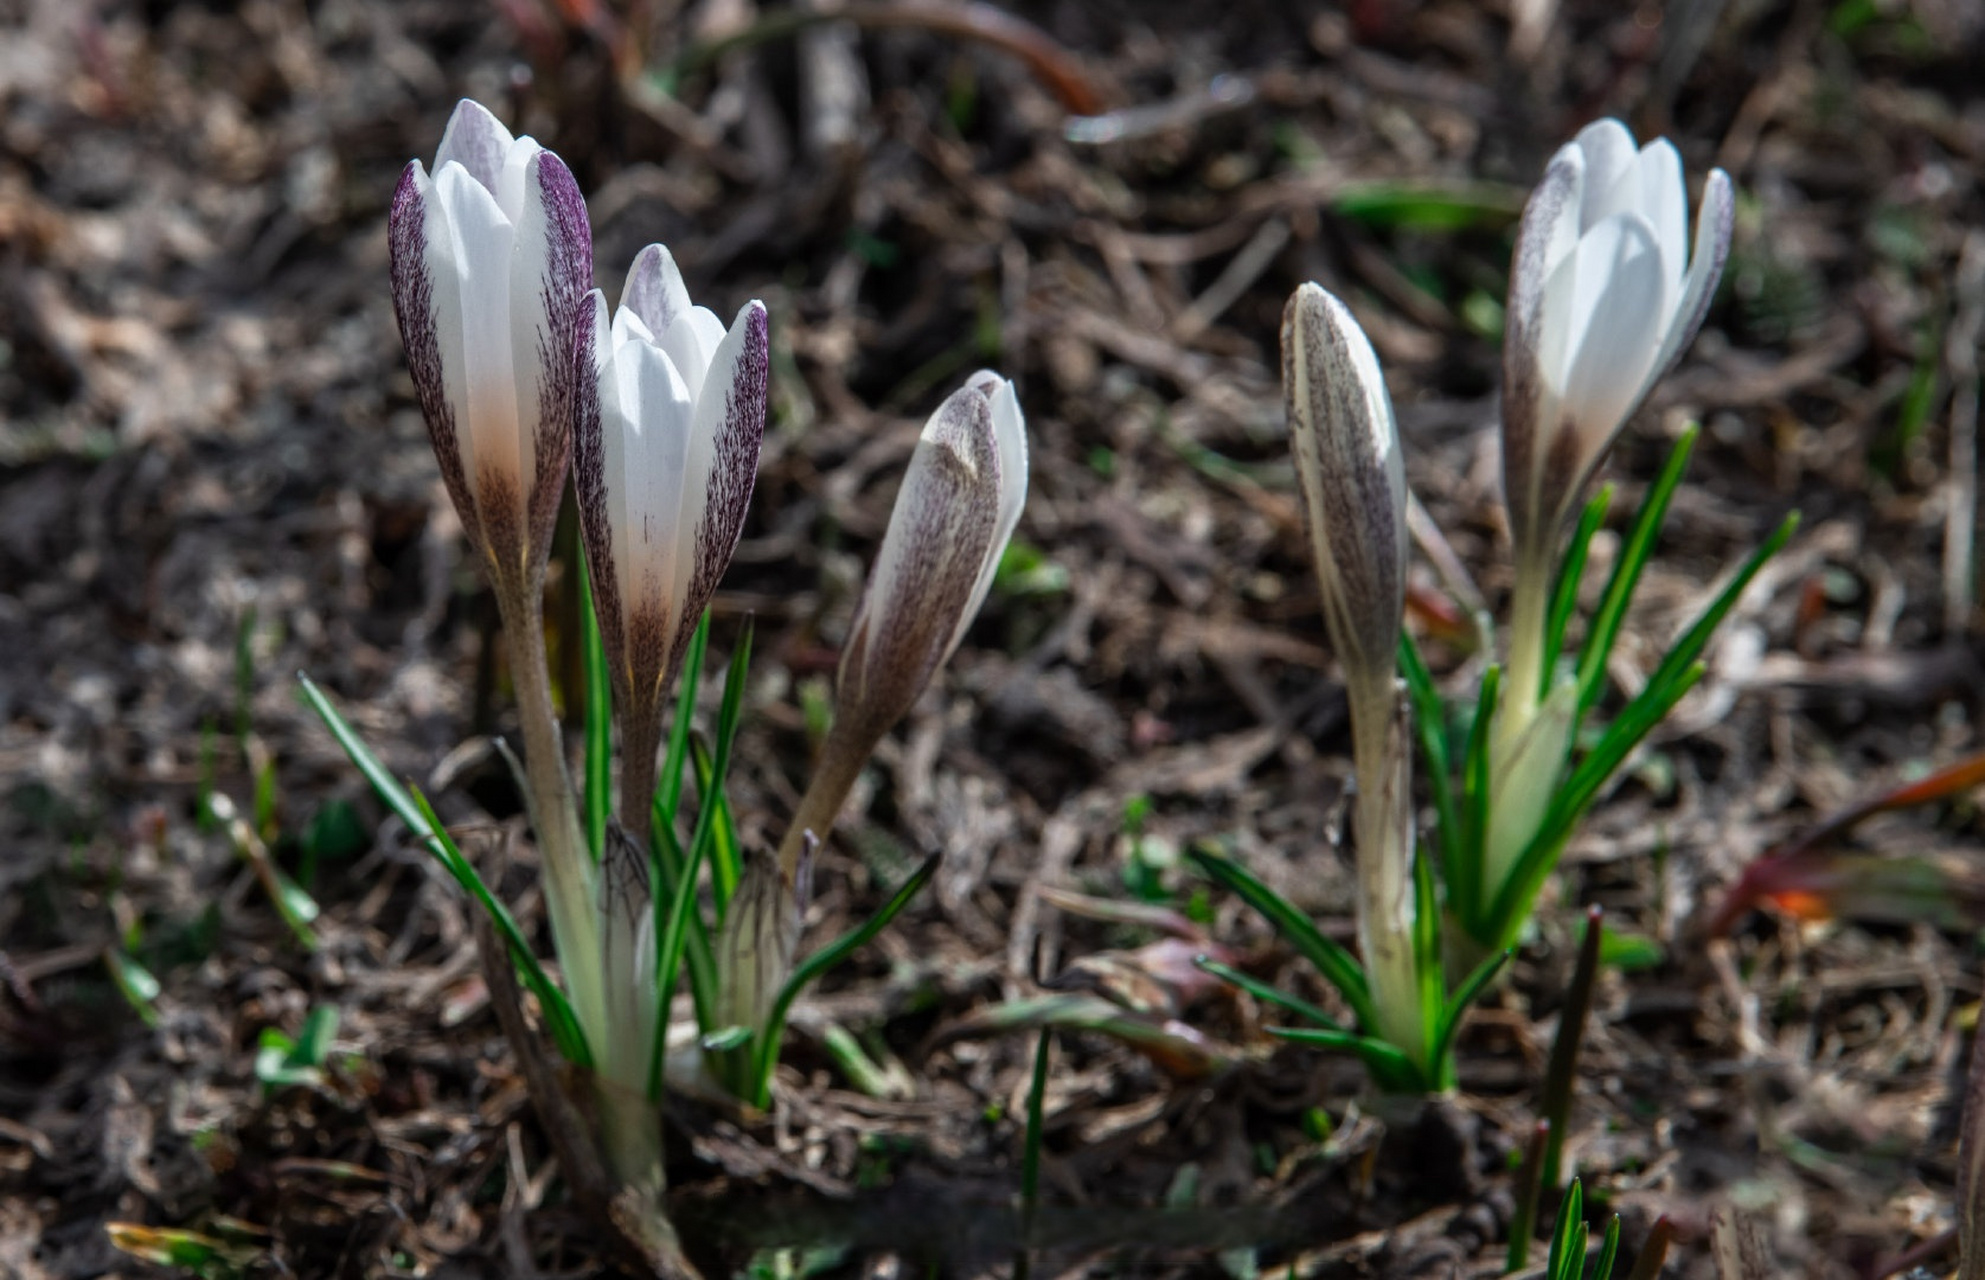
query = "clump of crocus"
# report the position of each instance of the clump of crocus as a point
(960, 500)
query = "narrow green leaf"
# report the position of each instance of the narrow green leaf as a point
(1465, 877)
(724, 864)
(1269, 995)
(820, 962)
(1609, 1249)
(1464, 995)
(562, 1022)
(1030, 1155)
(1568, 1241)
(1634, 553)
(1687, 649)
(666, 861)
(668, 795)
(1523, 1222)
(1561, 1069)
(599, 721)
(1391, 1069)
(1331, 960)
(724, 847)
(1565, 599)
(1430, 720)
(673, 930)
(134, 982)
(1427, 953)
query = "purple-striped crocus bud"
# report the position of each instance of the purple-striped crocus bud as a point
(1353, 481)
(1603, 296)
(665, 456)
(491, 258)
(960, 500)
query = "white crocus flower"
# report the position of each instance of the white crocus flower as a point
(1604, 295)
(491, 257)
(665, 456)
(954, 515)
(1352, 477)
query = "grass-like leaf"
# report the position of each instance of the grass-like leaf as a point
(1393, 1071)
(1563, 1064)
(1634, 553)
(413, 810)
(1567, 1260)
(1565, 599)
(668, 794)
(1269, 995)
(599, 722)
(1609, 1249)
(1465, 870)
(725, 867)
(820, 962)
(672, 932)
(1457, 1006)
(1430, 722)
(1331, 960)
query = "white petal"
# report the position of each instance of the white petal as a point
(1612, 184)
(541, 351)
(1665, 204)
(656, 414)
(1620, 300)
(516, 182)
(480, 379)
(691, 340)
(477, 141)
(654, 290)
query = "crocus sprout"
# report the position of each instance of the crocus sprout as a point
(1604, 295)
(1353, 482)
(960, 500)
(664, 458)
(491, 258)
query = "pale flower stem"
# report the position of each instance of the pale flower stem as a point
(1385, 867)
(568, 875)
(631, 1133)
(1523, 682)
(833, 778)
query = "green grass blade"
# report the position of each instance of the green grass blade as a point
(412, 808)
(1693, 641)
(1523, 1221)
(1391, 1069)
(560, 1020)
(599, 722)
(1269, 995)
(1609, 1250)
(1427, 951)
(667, 858)
(1561, 1068)
(1331, 960)
(725, 867)
(1030, 1155)
(820, 962)
(1457, 1005)
(1430, 720)
(1626, 575)
(1465, 875)
(672, 931)
(1568, 1241)
(668, 795)
(724, 847)
(1565, 599)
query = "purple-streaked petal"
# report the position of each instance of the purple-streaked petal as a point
(417, 305)
(1714, 220)
(549, 275)
(722, 468)
(589, 477)
(477, 141)
(472, 281)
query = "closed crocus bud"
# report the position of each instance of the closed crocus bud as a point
(956, 510)
(1604, 295)
(491, 258)
(960, 500)
(754, 949)
(665, 456)
(1353, 482)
